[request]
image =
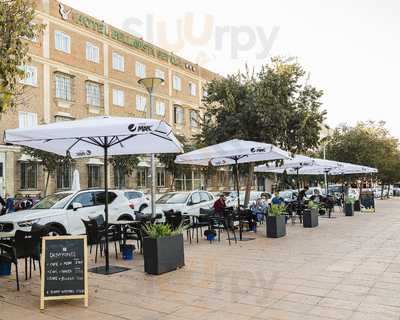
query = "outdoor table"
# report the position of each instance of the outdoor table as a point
(122, 225)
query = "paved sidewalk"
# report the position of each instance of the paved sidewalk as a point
(347, 268)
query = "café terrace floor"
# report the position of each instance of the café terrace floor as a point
(347, 268)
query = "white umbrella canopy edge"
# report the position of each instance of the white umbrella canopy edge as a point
(232, 152)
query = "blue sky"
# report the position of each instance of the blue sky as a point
(350, 48)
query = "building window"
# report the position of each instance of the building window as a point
(119, 178)
(160, 108)
(141, 177)
(64, 176)
(92, 52)
(63, 87)
(140, 70)
(160, 74)
(63, 42)
(27, 119)
(161, 177)
(178, 115)
(194, 119)
(192, 89)
(176, 83)
(93, 94)
(28, 177)
(118, 97)
(30, 78)
(140, 103)
(118, 62)
(94, 180)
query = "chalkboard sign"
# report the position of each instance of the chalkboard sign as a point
(64, 269)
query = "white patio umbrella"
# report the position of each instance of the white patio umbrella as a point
(296, 163)
(233, 152)
(76, 185)
(99, 136)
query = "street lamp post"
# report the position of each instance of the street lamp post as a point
(151, 84)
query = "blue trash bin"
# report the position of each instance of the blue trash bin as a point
(5, 268)
(128, 251)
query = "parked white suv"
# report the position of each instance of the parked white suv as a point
(137, 199)
(63, 212)
(185, 202)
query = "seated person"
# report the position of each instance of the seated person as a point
(259, 207)
(277, 200)
(220, 205)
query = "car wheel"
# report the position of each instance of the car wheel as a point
(142, 207)
(54, 231)
(126, 217)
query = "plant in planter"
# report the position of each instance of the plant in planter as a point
(276, 221)
(310, 217)
(349, 206)
(163, 248)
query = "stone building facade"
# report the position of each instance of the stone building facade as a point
(81, 67)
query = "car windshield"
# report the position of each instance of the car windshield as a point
(55, 201)
(285, 194)
(171, 198)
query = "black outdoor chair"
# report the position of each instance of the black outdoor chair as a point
(96, 235)
(9, 255)
(173, 218)
(225, 222)
(200, 222)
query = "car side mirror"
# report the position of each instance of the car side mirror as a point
(76, 206)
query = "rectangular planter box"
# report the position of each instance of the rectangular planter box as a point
(276, 226)
(163, 254)
(310, 218)
(348, 209)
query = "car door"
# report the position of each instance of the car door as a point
(114, 207)
(193, 204)
(206, 199)
(75, 216)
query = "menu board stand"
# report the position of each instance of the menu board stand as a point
(64, 265)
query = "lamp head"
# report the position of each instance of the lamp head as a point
(150, 83)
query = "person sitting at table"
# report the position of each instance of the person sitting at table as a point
(220, 205)
(277, 199)
(259, 207)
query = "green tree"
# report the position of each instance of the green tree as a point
(125, 165)
(367, 143)
(16, 27)
(50, 161)
(276, 105)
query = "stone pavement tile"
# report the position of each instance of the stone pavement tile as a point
(291, 306)
(382, 300)
(388, 286)
(345, 295)
(319, 284)
(339, 303)
(384, 292)
(241, 309)
(334, 313)
(379, 308)
(320, 292)
(370, 316)
(191, 312)
(302, 298)
(352, 288)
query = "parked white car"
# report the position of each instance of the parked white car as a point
(313, 191)
(63, 212)
(137, 199)
(185, 202)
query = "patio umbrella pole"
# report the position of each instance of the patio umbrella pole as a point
(238, 195)
(107, 267)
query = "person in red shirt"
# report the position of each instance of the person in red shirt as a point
(220, 205)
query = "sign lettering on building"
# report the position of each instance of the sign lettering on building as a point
(122, 37)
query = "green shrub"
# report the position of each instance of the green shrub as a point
(277, 209)
(312, 205)
(156, 231)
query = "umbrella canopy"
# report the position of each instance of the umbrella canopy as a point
(76, 185)
(233, 152)
(86, 137)
(297, 162)
(99, 136)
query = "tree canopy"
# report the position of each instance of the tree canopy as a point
(367, 143)
(16, 17)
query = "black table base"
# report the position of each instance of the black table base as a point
(111, 270)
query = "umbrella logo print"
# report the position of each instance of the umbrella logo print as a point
(132, 127)
(257, 149)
